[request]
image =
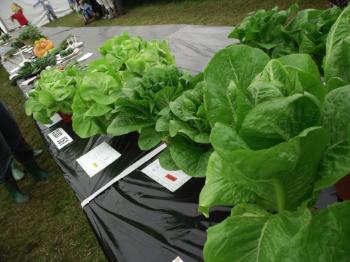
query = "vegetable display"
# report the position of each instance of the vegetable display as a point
(67, 52)
(124, 66)
(16, 44)
(30, 34)
(283, 32)
(53, 92)
(42, 47)
(187, 128)
(32, 68)
(267, 133)
(4, 38)
(284, 139)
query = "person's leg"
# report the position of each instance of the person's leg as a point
(48, 15)
(19, 148)
(97, 7)
(10, 129)
(5, 158)
(119, 7)
(52, 12)
(6, 177)
(110, 7)
(110, 4)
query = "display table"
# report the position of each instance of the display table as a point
(137, 219)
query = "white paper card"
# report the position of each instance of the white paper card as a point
(28, 81)
(14, 70)
(172, 180)
(84, 57)
(98, 159)
(55, 119)
(178, 259)
(60, 138)
(12, 76)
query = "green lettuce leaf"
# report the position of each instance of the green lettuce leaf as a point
(190, 157)
(234, 63)
(336, 120)
(325, 238)
(218, 190)
(336, 61)
(54, 92)
(281, 175)
(252, 234)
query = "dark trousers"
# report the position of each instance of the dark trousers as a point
(12, 144)
(50, 13)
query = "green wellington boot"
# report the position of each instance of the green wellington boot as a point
(15, 193)
(17, 171)
(37, 152)
(37, 173)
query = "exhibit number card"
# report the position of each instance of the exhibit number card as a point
(172, 180)
(60, 138)
(98, 159)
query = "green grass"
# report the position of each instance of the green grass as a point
(52, 226)
(202, 12)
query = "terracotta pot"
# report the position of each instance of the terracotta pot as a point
(343, 188)
(66, 118)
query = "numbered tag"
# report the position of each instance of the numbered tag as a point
(172, 180)
(98, 159)
(60, 138)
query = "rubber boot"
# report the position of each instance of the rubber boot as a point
(36, 172)
(15, 193)
(17, 171)
(37, 152)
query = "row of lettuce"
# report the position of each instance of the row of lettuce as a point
(267, 134)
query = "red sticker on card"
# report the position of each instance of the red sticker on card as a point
(171, 177)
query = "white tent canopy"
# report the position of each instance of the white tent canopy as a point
(35, 15)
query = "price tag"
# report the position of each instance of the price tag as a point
(98, 159)
(172, 180)
(55, 119)
(60, 138)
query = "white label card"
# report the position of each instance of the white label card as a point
(14, 70)
(28, 81)
(178, 259)
(55, 119)
(172, 180)
(98, 159)
(60, 138)
(84, 57)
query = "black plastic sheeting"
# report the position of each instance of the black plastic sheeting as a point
(137, 219)
(66, 157)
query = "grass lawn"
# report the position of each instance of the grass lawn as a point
(52, 227)
(202, 12)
